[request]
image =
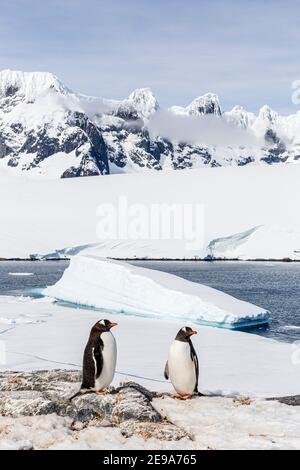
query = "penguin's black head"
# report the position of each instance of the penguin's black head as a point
(185, 333)
(104, 325)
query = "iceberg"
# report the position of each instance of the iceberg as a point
(119, 287)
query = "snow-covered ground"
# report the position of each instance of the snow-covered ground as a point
(223, 423)
(211, 423)
(34, 220)
(53, 432)
(39, 334)
(120, 287)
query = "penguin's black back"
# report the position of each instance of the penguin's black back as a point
(92, 361)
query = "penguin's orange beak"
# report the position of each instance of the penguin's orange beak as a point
(194, 333)
(113, 324)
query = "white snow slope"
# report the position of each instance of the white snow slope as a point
(121, 287)
(263, 242)
(34, 220)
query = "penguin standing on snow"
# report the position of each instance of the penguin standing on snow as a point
(182, 366)
(99, 360)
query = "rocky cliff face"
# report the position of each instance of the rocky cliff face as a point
(46, 129)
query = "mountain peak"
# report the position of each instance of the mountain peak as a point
(240, 117)
(267, 114)
(144, 101)
(238, 109)
(205, 104)
(29, 85)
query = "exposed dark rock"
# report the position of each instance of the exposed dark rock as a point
(13, 161)
(17, 127)
(161, 148)
(117, 155)
(127, 112)
(3, 148)
(245, 161)
(278, 148)
(11, 90)
(274, 157)
(291, 401)
(75, 133)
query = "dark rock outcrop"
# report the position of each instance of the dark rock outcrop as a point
(289, 400)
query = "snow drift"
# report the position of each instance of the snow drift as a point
(262, 242)
(116, 286)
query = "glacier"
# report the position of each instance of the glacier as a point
(33, 220)
(119, 287)
(272, 242)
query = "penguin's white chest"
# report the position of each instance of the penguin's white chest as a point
(182, 371)
(109, 354)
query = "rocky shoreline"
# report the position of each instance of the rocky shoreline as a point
(35, 408)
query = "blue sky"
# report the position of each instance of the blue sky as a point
(248, 52)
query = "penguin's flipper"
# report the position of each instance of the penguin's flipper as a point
(194, 358)
(166, 372)
(98, 357)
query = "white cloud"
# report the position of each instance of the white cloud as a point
(207, 129)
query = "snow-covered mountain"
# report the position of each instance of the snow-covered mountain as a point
(46, 129)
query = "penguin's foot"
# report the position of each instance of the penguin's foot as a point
(186, 397)
(102, 392)
(182, 396)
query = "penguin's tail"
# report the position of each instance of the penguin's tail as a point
(198, 394)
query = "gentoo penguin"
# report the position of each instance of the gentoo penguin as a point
(99, 359)
(182, 366)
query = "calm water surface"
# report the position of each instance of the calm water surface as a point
(274, 286)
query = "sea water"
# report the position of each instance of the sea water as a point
(274, 286)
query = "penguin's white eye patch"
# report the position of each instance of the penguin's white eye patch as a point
(184, 329)
(102, 322)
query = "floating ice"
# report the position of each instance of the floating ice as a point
(21, 274)
(120, 287)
